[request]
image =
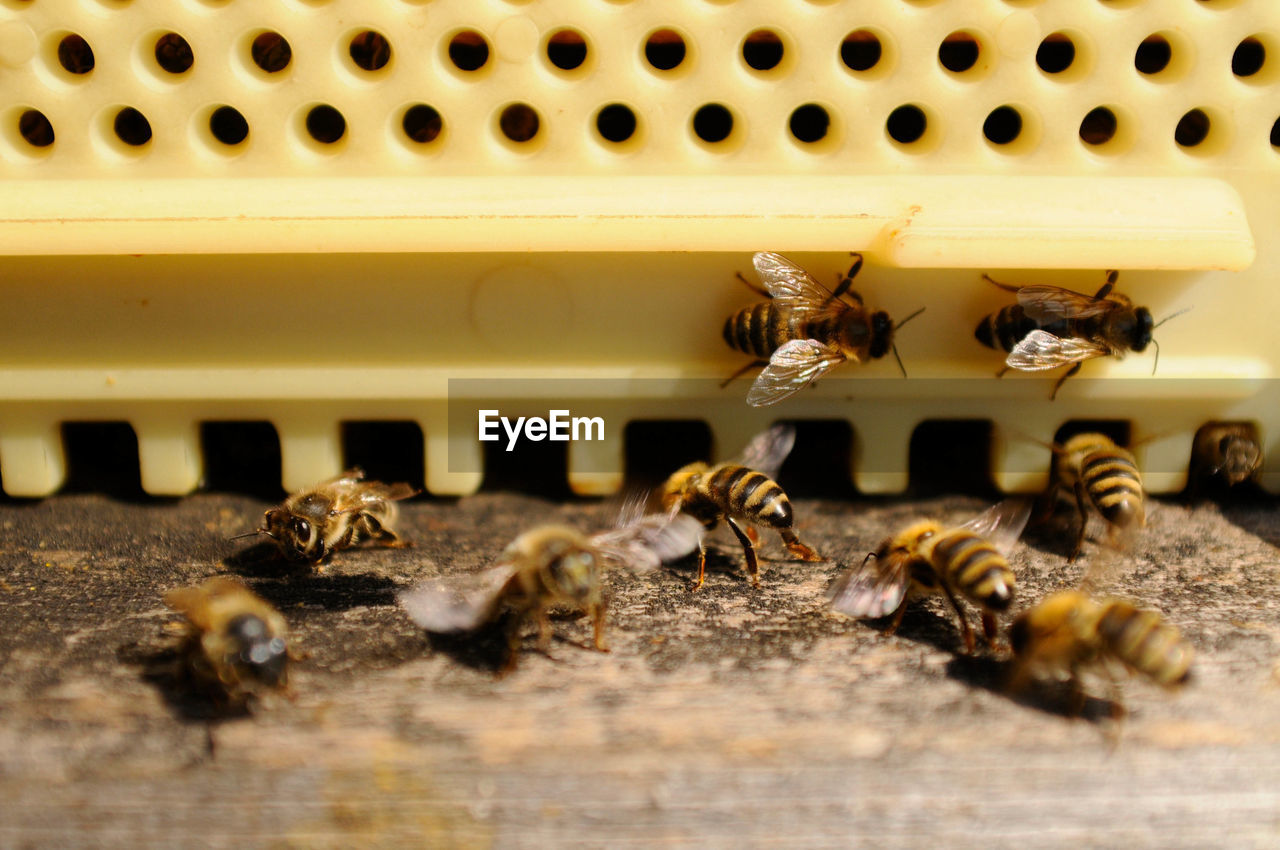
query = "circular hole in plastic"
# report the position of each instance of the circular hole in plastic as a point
(75, 55)
(271, 52)
(566, 49)
(762, 50)
(906, 124)
(325, 124)
(228, 126)
(861, 50)
(616, 123)
(422, 123)
(1153, 54)
(1056, 53)
(132, 127)
(959, 52)
(519, 122)
(713, 123)
(173, 53)
(1248, 57)
(665, 49)
(468, 50)
(1098, 127)
(35, 128)
(370, 50)
(810, 123)
(1003, 125)
(1193, 128)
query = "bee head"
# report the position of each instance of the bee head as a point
(1140, 332)
(297, 536)
(1240, 457)
(257, 652)
(680, 482)
(572, 568)
(881, 334)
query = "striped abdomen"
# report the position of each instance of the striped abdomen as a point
(742, 492)
(975, 568)
(1111, 479)
(759, 329)
(1005, 329)
(1144, 642)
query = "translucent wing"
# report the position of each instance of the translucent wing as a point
(1001, 524)
(354, 475)
(648, 542)
(792, 367)
(459, 604)
(789, 283)
(768, 449)
(875, 588)
(1040, 350)
(1051, 303)
(375, 491)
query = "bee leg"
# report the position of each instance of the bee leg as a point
(702, 564)
(597, 625)
(1063, 380)
(754, 364)
(990, 630)
(1001, 371)
(753, 566)
(759, 290)
(1084, 521)
(1006, 287)
(964, 621)
(795, 547)
(753, 535)
(847, 281)
(544, 632)
(897, 619)
(1046, 504)
(1112, 276)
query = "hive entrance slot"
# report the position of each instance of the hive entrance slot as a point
(241, 457)
(390, 451)
(102, 457)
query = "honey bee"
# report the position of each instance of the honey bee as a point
(1103, 474)
(736, 492)
(804, 329)
(925, 558)
(1070, 632)
(1226, 450)
(335, 514)
(233, 642)
(1051, 327)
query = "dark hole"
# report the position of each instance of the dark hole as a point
(228, 125)
(664, 49)
(655, 449)
(422, 123)
(75, 54)
(860, 50)
(1056, 53)
(387, 451)
(102, 457)
(820, 465)
(174, 54)
(1153, 55)
(762, 50)
(809, 123)
(713, 123)
(370, 50)
(1098, 127)
(951, 456)
(468, 50)
(1275, 134)
(271, 52)
(35, 128)
(1117, 429)
(906, 124)
(1248, 58)
(1003, 125)
(326, 124)
(958, 52)
(537, 468)
(519, 122)
(616, 122)
(566, 49)
(132, 127)
(1192, 129)
(241, 457)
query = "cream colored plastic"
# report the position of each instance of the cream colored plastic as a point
(307, 284)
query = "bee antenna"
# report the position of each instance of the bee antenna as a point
(870, 555)
(1172, 316)
(253, 533)
(1157, 363)
(894, 346)
(921, 310)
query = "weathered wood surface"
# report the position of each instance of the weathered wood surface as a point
(727, 717)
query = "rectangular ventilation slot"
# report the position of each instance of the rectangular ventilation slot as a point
(952, 456)
(241, 457)
(537, 468)
(820, 465)
(656, 448)
(386, 451)
(1118, 430)
(102, 457)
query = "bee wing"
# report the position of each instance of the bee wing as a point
(460, 604)
(1040, 350)
(789, 283)
(768, 449)
(1050, 303)
(875, 588)
(354, 475)
(792, 367)
(650, 541)
(1001, 524)
(376, 491)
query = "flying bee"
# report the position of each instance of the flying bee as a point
(336, 514)
(1100, 473)
(926, 558)
(1229, 451)
(1051, 327)
(233, 642)
(1070, 632)
(804, 329)
(736, 492)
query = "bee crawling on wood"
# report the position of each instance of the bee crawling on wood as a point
(1100, 473)
(336, 514)
(804, 329)
(233, 644)
(736, 492)
(927, 558)
(1227, 451)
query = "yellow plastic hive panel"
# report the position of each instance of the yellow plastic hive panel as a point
(321, 271)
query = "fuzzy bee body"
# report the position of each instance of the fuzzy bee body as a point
(1103, 474)
(1229, 451)
(763, 328)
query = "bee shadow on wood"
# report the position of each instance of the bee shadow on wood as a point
(162, 667)
(925, 626)
(1051, 697)
(486, 649)
(1254, 515)
(331, 592)
(262, 560)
